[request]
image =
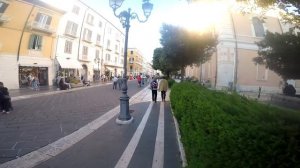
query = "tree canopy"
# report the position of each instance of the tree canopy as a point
(290, 13)
(280, 53)
(161, 62)
(182, 47)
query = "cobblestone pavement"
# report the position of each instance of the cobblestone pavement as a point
(40, 119)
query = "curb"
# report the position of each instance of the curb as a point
(180, 145)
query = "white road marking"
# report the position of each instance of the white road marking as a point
(158, 158)
(128, 153)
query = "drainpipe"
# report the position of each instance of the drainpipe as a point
(23, 30)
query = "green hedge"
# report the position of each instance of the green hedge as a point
(171, 82)
(229, 131)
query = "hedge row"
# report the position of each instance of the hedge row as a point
(227, 130)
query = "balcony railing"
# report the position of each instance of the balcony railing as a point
(40, 27)
(71, 34)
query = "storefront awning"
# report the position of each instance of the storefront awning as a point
(67, 63)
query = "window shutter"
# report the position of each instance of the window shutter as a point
(31, 40)
(3, 7)
(49, 19)
(38, 16)
(39, 42)
(68, 26)
(74, 29)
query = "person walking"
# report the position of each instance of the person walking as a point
(163, 87)
(36, 83)
(5, 100)
(139, 79)
(153, 86)
(115, 82)
(120, 82)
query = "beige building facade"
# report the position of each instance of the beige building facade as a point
(27, 41)
(135, 62)
(43, 41)
(232, 66)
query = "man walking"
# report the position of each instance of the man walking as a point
(163, 87)
(115, 82)
(153, 86)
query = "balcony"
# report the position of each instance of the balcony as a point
(40, 27)
(70, 34)
(4, 18)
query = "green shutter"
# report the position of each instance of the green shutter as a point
(31, 40)
(39, 42)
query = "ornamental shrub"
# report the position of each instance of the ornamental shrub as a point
(227, 130)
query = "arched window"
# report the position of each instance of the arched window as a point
(258, 27)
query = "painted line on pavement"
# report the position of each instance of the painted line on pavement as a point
(158, 158)
(51, 150)
(128, 153)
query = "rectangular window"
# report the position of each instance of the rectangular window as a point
(100, 24)
(98, 38)
(43, 20)
(107, 57)
(3, 7)
(90, 19)
(116, 48)
(131, 52)
(85, 50)
(258, 27)
(97, 54)
(35, 42)
(68, 47)
(108, 44)
(71, 28)
(76, 9)
(116, 60)
(87, 34)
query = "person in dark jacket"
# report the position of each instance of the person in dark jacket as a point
(5, 100)
(153, 86)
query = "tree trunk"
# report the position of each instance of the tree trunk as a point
(182, 72)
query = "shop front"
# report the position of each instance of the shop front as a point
(26, 71)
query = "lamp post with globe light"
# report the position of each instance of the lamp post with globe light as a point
(125, 17)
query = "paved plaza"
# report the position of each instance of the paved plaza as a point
(77, 128)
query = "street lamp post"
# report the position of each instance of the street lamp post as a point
(125, 17)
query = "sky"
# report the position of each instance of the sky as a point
(143, 36)
(146, 36)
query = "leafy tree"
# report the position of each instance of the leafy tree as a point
(183, 47)
(161, 62)
(280, 53)
(291, 9)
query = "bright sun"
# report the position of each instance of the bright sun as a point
(201, 16)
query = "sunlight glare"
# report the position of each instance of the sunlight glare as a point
(201, 16)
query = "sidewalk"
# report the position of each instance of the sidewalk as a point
(149, 141)
(44, 89)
